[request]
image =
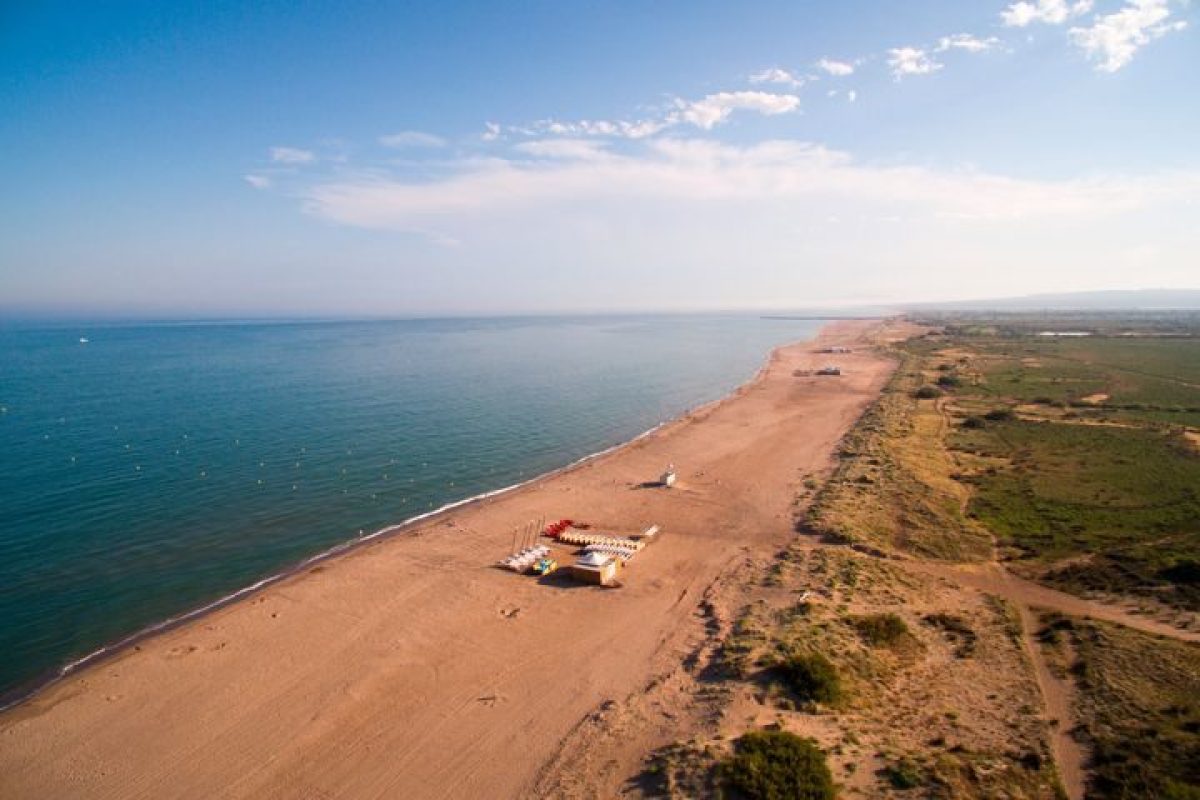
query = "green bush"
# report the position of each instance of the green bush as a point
(974, 423)
(904, 774)
(1000, 415)
(812, 678)
(928, 392)
(948, 381)
(777, 765)
(881, 630)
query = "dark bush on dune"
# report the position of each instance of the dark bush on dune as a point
(928, 393)
(881, 630)
(812, 678)
(777, 765)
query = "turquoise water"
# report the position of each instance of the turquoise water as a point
(157, 468)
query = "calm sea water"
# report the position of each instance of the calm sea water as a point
(159, 467)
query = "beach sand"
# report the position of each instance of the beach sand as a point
(412, 667)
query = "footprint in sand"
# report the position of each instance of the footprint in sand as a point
(182, 650)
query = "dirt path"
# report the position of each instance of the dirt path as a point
(995, 579)
(1058, 695)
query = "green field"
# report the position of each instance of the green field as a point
(1082, 461)
(1128, 497)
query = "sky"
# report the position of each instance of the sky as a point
(203, 159)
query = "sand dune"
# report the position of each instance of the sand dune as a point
(412, 667)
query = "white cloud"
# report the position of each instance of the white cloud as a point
(1113, 39)
(705, 113)
(292, 155)
(679, 172)
(911, 61)
(967, 42)
(405, 139)
(836, 68)
(638, 129)
(491, 132)
(851, 96)
(714, 109)
(777, 75)
(570, 149)
(1051, 12)
(257, 181)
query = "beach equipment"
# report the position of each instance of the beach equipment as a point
(555, 528)
(668, 478)
(585, 539)
(545, 566)
(522, 561)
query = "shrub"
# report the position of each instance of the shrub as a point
(1183, 571)
(948, 381)
(904, 774)
(777, 765)
(881, 630)
(928, 392)
(974, 423)
(1000, 415)
(812, 677)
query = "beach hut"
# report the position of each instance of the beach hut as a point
(596, 568)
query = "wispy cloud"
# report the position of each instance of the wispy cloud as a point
(705, 113)
(257, 181)
(635, 129)
(779, 76)
(406, 139)
(570, 149)
(904, 61)
(967, 42)
(292, 155)
(836, 68)
(1112, 40)
(1051, 12)
(714, 109)
(668, 172)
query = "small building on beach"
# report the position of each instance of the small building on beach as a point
(595, 568)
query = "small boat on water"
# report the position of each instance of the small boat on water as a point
(83, 340)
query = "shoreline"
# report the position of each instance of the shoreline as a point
(13, 698)
(386, 633)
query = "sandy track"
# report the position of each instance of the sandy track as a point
(1058, 693)
(411, 667)
(995, 579)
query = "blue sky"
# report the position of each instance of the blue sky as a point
(387, 159)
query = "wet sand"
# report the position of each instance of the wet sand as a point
(412, 667)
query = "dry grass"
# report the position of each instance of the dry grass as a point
(894, 488)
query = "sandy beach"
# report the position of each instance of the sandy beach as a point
(413, 667)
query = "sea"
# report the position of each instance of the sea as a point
(149, 471)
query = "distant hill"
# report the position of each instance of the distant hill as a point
(1114, 300)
